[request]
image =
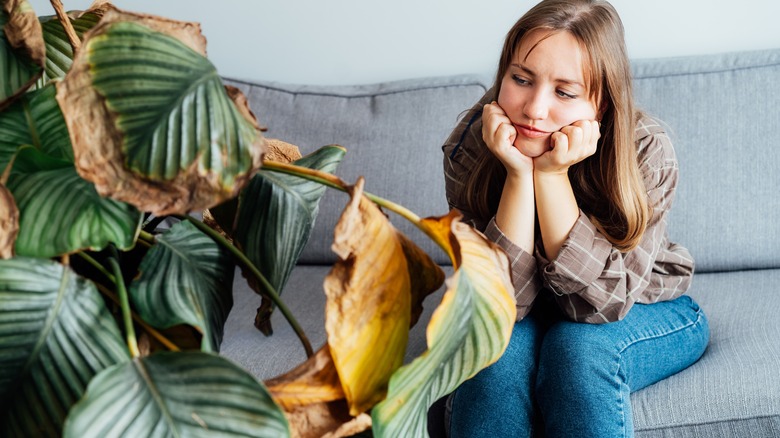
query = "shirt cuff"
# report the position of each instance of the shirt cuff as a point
(525, 280)
(580, 261)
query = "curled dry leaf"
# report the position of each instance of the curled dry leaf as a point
(281, 152)
(99, 142)
(369, 294)
(25, 36)
(313, 400)
(9, 223)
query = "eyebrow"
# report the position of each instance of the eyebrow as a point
(560, 80)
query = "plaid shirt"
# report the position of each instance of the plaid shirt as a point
(590, 279)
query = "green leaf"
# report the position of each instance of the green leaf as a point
(55, 335)
(35, 119)
(152, 123)
(277, 213)
(186, 278)
(60, 213)
(468, 331)
(59, 53)
(21, 49)
(170, 104)
(176, 394)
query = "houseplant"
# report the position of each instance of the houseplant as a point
(109, 321)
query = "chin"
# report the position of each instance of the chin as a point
(532, 150)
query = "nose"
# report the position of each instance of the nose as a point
(536, 107)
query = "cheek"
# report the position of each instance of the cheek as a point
(568, 114)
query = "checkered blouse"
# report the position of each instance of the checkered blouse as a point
(590, 279)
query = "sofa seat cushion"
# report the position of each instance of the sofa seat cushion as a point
(267, 357)
(734, 389)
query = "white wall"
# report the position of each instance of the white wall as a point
(364, 41)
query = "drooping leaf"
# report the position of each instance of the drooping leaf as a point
(9, 223)
(313, 399)
(34, 119)
(276, 215)
(176, 394)
(468, 331)
(186, 278)
(151, 122)
(55, 335)
(368, 301)
(60, 213)
(59, 53)
(22, 51)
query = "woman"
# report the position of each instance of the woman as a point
(557, 167)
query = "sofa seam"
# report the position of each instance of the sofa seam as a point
(357, 96)
(701, 423)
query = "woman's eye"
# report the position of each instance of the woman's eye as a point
(566, 95)
(519, 80)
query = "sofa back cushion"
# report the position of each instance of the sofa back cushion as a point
(723, 114)
(393, 134)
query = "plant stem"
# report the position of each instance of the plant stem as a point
(337, 183)
(154, 333)
(97, 266)
(147, 328)
(73, 38)
(124, 302)
(149, 237)
(268, 288)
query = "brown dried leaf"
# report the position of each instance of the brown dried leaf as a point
(9, 223)
(25, 36)
(314, 381)
(313, 400)
(97, 142)
(281, 152)
(426, 276)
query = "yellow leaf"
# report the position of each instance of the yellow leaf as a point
(468, 331)
(368, 311)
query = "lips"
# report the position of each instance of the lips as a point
(531, 132)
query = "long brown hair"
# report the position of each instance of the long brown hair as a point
(608, 186)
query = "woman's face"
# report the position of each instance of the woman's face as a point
(545, 90)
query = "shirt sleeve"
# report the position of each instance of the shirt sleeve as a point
(594, 282)
(460, 157)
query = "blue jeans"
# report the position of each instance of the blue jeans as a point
(573, 379)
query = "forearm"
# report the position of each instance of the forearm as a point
(557, 209)
(515, 215)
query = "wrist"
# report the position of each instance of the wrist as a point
(551, 175)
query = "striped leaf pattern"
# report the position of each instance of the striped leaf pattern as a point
(35, 119)
(18, 69)
(277, 213)
(170, 104)
(55, 335)
(60, 213)
(176, 394)
(59, 53)
(186, 278)
(468, 331)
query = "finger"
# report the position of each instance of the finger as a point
(560, 143)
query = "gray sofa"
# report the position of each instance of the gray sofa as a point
(723, 114)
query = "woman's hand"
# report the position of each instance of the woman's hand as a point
(499, 134)
(569, 146)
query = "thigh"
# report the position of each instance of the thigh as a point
(498, 401)
(651, 343)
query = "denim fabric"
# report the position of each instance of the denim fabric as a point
(573, 379)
